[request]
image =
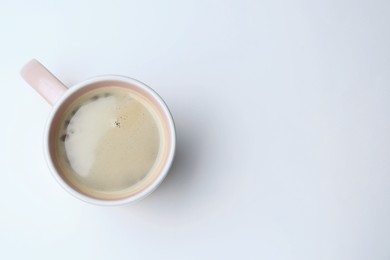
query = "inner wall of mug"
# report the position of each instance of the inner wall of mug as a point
(54, 129)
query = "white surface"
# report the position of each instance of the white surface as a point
(283, 118)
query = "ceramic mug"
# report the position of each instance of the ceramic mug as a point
(60, 97)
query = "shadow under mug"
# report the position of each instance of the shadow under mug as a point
(60, 97)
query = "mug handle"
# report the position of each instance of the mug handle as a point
(43, 81)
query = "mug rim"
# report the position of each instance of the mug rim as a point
(114, 202)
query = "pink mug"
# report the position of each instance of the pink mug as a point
(60, 97)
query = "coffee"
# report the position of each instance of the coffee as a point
(109, 142)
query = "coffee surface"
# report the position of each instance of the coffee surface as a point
(110, 139)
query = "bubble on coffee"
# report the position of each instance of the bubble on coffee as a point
(109, 141)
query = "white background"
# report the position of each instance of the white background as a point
(283, 120)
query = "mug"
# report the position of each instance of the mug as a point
(60, 97)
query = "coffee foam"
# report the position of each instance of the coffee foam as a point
(101, 126)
